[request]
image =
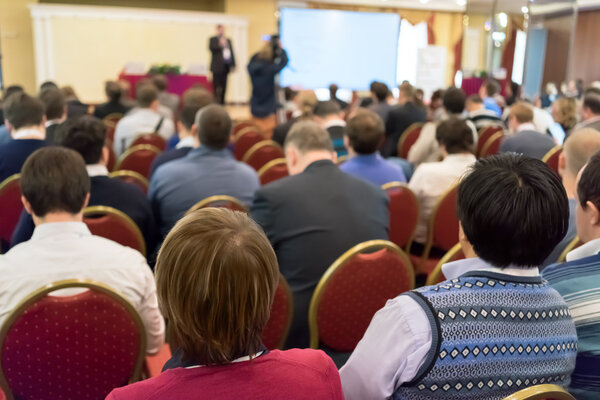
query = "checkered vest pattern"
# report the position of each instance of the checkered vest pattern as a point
(492, 335)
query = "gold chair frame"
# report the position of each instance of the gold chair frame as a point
(551, 152)
(108, 120)
(391, 185)
(570, 247)
(9, 180)
(541, 392)
(65, 284)
(272, 163)
(489, 143)
(258, 146)
(211, 199)
(95, 210)
(132, 174)
(133, 149)
(404, 134)
(437, 271)
(373, 245)
(146, 134)
(245, 130)
(342, 159)
(290, 316)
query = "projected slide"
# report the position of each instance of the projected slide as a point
(351, 49)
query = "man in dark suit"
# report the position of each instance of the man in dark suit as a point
(56, 111)
(314, 216)
(401, 117)
(223, 62)
(525, 139)
(113, 104)
(333, 88)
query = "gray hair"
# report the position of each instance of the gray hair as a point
(308, 136)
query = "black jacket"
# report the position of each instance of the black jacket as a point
(217, 63)
(262, 73)
(400, 118)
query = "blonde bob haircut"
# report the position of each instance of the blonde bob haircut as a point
(216, 276)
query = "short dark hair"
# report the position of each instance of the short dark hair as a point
(333, 88)
(380, 90)
(48, 85)
(146, 94)
(160, 81)
(591, 101)
(475, 98)
(10, 90)
(308, 136)
(491, 87)
(85, 134)
(214, 126)
(54, 103)
(326, 108)
(588, 188)
(455, 135)
(54, 179)
(23, 110)
(113, 91)
(513, 210)
(187, 116)
(365, 131)
(454, 100)
(197, 96)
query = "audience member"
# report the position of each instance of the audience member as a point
(329, 115)
(436, 111)
(564, 113)
(113, 105)
(496, 326)
(56, 111)
(165, 98)
(86, 135)
(207, 170)
(578, 280)
(590, 111)
(380, 93)
(365, 134)
(74, 106)
(513, 92)
(333, 89)
(25, 120)
(4, 132)
(488, 92)
(401, 117)
(48, 85)
(525, 139)
(550, 95)
(479, 115)
(314, 216)
(216, 277)
(306, 101)
(145, 120)
(126, 99)
(56, 187)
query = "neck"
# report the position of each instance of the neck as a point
(184, 133)
(33, 132)
(569, 182)
(60, 216)
(311, 157)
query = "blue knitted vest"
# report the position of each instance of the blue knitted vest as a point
(492, 335)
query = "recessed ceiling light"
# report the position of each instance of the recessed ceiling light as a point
(524, 9)
(461, 3)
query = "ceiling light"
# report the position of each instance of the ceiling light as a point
(461, 3)
(524, 9)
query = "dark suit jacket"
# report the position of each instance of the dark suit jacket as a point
(400, 118)
(218, 63)
(111, 107)
(51, 132)
(531, 143)
(262, 74)
(14, 153)
(313, 218)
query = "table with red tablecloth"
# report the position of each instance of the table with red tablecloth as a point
(177, 84)
(471, 85)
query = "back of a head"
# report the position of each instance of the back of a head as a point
(216, 276)
(54, 103)
(69, 92)
(22, 110)
(513, 210)
(408, 92)
(306, 99)
(10, 90)
(454, 100)
(146, 94)
(85, 134)
(588, 187)
(113, 91)
(365, 131)
(214, 126)
(48, 85)
(591, 101)
(333, 88)
(308, 136)
(579, 147)
(380, 90)
(492, 87)
(522, 111)
(455, 135)
(475, 99)
(324, 109)
(54, 179)
(187, 116)
(564, 111)
(197, 96)
(160, 81)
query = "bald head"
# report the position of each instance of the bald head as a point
(579, 147)
(214, 126)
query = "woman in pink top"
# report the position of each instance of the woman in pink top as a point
(216, 276)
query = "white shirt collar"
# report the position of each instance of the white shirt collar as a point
(460, 157)
(334, 122)
(96, 170)
(237, 360)
(50, 229)
(186, 142)
(588, 249)
(526, 127)
(457, 268)
(51, 122)
(31, 132)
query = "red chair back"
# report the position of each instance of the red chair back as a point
(244, 140)
(72, 347)
(551, 158)
(443, 223)
(242, 125)
(408, 138)
(138, 158)
(133, 178)
(112, 158)
(353, 289)
(110, 133)
(113, 224)
(10, 199)
(492, 145)
(278, 325)
(272, 171)
(404, 213)
(262, 153)
(110, 121)
(152, 139)
(484, 135)
(228, 202)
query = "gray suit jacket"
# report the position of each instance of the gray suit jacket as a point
(530, 143)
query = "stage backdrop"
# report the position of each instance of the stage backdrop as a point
(83, 46)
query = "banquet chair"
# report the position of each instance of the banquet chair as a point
(551, 158)
(10, 199)
(541, 392)
(153, 139)
(72, 346)
(115, 225)
(492, 146)
(112, 158)
(263, 152)
(131, 177)
(272, 171)
(408, 139)
(244, 140)
(404, 213)
(342, 159)
(484, 135)
(353, 289)
(243, 125)
(138, 158)
(575, 243)
(222, 201)
(280, 318)
(436, 276)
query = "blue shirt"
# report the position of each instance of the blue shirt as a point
(490, 104)
(374, 169)
(177, 185)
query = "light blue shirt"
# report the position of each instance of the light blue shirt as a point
(490, 104)
(398, 340)
(374, 169)
(177, 185)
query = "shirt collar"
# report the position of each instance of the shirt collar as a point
(205, 150)
(459, 157)
(526, 127)
(334, 122)
(44, 231)
(96, 170)
(457, 268)
(588, 249)
(186, 142)
(51, 122)
(32, 133)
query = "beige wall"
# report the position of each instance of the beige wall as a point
(261, 20)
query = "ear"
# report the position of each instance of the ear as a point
(593, 213)
(27, 205)
(180, 127)
(562, 163)
(104, 156)
(291, 158)
(86, 201)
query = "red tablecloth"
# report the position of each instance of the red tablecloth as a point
(177, 83)
(471, 86)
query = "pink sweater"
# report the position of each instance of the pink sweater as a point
(292, 374)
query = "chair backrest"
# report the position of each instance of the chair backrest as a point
(484, 135)
(353, 289)
(492, 146)
(244, 140)
(138, 158)
(242, 125)
(80, 346)
(404, 213)
(280, 319)
(551, 158)
(443, 222)
(11, 206)
(112, 157)
(111, 119)
(153, 139)
(263, 152)
(131, 177)
(541, 392)
(272, 171)
(110, 133)
(436, 276)
(342, 159)
(222, 201)
(408, 138)
(115, 225)
(575, 243)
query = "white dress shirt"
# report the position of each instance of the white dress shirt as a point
(141, 121)
(398, 340)
(67, 250)
(431, 180)
(588, 249)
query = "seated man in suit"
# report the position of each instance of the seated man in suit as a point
(314, 216)
(496, 326)
(207, 170)
(365, 134)
(578, 281)
(25, 120)
(333, 89)
(590, 110)
(86, 135)
(401, 117)
(56, 188)
(480, 116)
(329, 115)
(114, 104)
(526, 140)
(380, 94)
(56, 111)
